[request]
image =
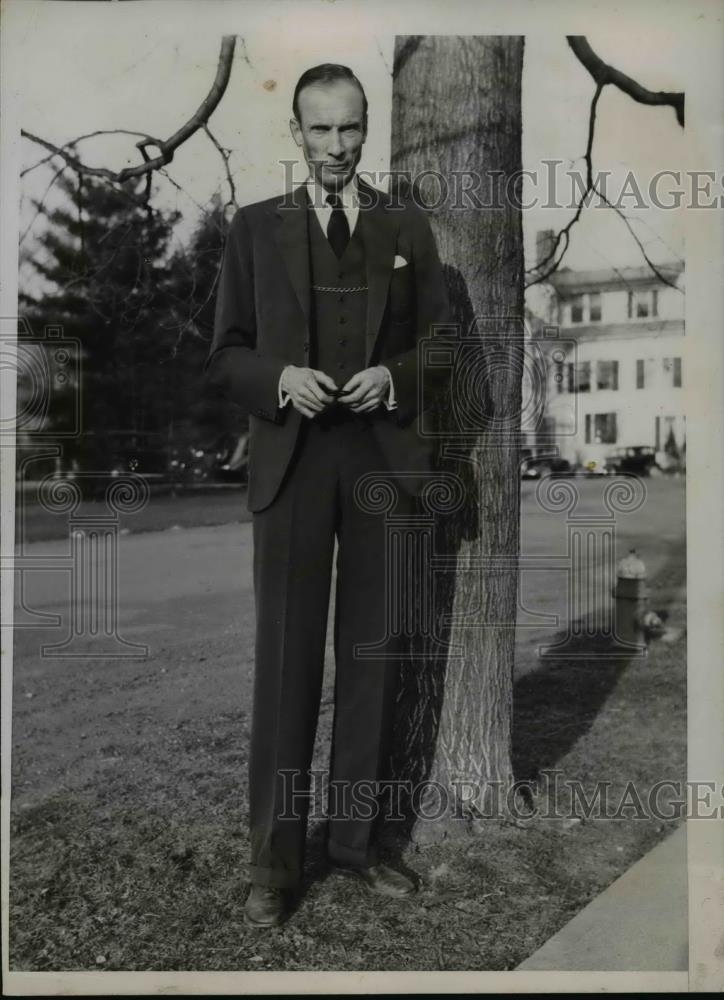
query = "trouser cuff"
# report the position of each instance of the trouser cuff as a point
(351, 857)
(274, 878)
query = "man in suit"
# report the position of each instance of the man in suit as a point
(324, 295)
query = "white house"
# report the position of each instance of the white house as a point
(614, 351)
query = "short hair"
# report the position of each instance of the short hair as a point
(327, 73)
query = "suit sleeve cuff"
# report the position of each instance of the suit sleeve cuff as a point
(284, 396)
(391, 401)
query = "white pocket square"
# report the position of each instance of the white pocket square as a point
(400, 261)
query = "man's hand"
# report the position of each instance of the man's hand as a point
(366, 390)
(306, 388)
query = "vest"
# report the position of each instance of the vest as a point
(338, 304)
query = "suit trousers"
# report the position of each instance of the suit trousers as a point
(294, 542)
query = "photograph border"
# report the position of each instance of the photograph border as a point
(701, 26)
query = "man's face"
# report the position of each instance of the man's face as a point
(331, 131)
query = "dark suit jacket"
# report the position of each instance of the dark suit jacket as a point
(263, 315)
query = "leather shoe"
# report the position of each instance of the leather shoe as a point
(265, 906)
(381, 879)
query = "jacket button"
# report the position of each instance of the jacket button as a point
(342, 320)
(306, 346)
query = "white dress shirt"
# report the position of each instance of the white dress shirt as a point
(350, 206)
(323, 210)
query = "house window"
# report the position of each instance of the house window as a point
(601, 428)
(577, 309)
(672, 367)
(639, 375)
(579, 376)
(586, 308)
(607, 375)
(643, 304)
(604, 428)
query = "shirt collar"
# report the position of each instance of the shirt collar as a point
(348, 194)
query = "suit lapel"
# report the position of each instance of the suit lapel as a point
(378, 229)
(293, 242)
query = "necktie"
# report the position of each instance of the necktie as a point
(338, 228)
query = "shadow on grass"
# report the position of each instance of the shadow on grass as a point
(555, 705)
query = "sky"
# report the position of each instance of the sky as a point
(145, 66)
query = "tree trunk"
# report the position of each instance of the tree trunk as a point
(457, 112)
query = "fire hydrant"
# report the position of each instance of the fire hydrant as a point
(632, 596)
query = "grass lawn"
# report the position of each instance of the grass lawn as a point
(129, 845)
(212, 505)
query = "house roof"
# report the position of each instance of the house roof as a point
(569, 282)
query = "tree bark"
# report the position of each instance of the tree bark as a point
(457, 112)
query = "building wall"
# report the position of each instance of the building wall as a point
(643, 416)
(615, 302)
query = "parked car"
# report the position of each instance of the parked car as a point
(209, 462)
(100, 458)
(538, 467)
(189, 465)
(639, 460)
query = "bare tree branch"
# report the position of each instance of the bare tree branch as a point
(225, 155)
(81, 138)
(603, 74)
(166, 148)
(202, 210)
(382, 55)
(41, 203)
(553, 258)
(627, 222)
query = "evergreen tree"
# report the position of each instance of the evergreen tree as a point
(103, 262)
(199, 419)
(143, 315)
